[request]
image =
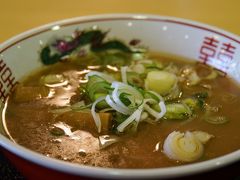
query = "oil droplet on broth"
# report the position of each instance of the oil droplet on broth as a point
(107, 140)
(157, 147)
(56, 141)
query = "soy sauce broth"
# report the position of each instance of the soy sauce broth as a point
(30, 124)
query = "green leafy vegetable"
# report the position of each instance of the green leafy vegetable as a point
(47, 58)
(111, 45)
(53, 53)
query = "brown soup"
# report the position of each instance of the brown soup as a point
(43, 115)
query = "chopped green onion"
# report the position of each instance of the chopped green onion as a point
(177, 111)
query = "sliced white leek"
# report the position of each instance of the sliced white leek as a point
(203, 137)
(115, 106)
(183, 146)
(95, 115)
(113, 100)
(115, 97)
(136, 116)
(154, 113)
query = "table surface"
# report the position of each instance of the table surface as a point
(19, 16)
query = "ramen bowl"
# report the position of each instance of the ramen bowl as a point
(183, 38)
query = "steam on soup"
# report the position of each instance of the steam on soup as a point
(105, 103)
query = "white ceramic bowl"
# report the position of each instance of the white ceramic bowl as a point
(20, 55)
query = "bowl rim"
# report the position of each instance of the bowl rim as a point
(113, 173)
